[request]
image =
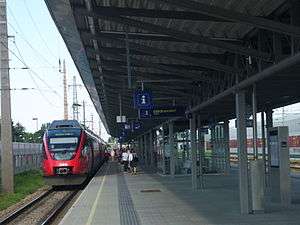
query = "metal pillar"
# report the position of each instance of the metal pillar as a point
(128, 62)
(7, 169)
(226, 145)
(66, 114)
(242, 150)
(146, 150)
(164, 150)
(141, 150)
(213, 149)
(151, 148)
(193, 151)
(295, 20)
(263, 140)
(83, 113)
(172, 150)
(269, 123)
(200, 154)
(254, 112)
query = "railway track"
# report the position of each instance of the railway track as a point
(42, 210)
(45, 208)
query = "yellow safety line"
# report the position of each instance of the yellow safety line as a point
(93, 210)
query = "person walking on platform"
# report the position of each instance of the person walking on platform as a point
(125, 160)
(130, 158)
(112, 154)
(134, 163)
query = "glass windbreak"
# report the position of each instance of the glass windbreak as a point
(63, 148)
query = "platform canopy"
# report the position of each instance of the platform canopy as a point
(190, 53)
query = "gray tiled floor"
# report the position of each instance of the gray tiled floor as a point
(176, 204)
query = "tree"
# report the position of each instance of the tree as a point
(38, 136)
(18, 132)
(112, 140)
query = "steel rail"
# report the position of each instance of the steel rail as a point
(19, 211)
(58, 208)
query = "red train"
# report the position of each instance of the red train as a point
(71, 153)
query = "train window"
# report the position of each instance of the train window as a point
(63, 148)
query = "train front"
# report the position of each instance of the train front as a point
(63, 162)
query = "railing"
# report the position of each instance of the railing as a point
(27, 156)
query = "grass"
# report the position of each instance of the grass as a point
(25, 183)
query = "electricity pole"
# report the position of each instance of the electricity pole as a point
(92, 122)
(7, 169)
(64, 72)
(75, 100)
(83, 113)
(100, 131)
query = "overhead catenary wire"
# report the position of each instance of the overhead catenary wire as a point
(21, 59)
(22, 36)
(37, 29)
(42, 80)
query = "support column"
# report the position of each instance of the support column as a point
(164, 150)
(295, 20)
(193, 151)
(227, 147)
(151, 148)
(269, 124)
(200, 154)
(213, 148)
(172, 150)
(142, 150)
(254, 112)
(263, 141)
(145, 150)
(242, 150)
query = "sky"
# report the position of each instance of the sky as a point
(35, 42)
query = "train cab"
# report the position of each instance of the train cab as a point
(70, 153)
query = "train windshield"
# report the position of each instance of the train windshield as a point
(63, 144)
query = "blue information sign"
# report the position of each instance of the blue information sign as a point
(127, 126)
(137, 125)
(143, 100)
(145, 113)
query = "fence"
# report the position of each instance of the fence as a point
(27, 156)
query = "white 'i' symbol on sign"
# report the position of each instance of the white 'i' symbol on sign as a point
(143, 99)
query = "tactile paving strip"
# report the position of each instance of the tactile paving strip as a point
(128, 215)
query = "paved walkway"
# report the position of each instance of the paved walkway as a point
(115, 198)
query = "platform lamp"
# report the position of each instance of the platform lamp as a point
(37, 122)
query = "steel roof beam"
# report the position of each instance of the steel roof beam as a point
(158, 95)
(234, 16)
(157, 37)
(180, 35)
(120, 63)
(117, 50)
(175, 72)
(138, 47)
(153, 88)
(144, 79)
(183, 73)
(285, 64)
(153, 13)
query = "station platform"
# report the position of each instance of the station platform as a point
(117, 198)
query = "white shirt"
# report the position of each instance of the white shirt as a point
(130, 157)
(112, 153)
(124, 156)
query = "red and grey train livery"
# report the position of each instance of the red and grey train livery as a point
(71, 153)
